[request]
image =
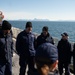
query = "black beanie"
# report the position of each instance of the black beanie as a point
(6, 25)
(45, 28)
(28, 24)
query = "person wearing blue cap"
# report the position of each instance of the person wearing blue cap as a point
(46, 59)
(64, 54)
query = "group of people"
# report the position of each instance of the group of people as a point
(39, 49)
(40, 52)
(32, 51)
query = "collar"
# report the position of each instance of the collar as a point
(28, 32)
(46, 35)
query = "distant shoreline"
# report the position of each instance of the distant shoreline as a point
(41, 21)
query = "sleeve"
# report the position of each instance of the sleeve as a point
(59, 48)
(73, 53)
(38, 42)
(12, 48)
(35, 42)
(70, 49)
(18, 44)
(70, 53)
(52, 41)
(2, 51)
(58, 45)
(11, 33)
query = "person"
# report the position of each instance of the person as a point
(74, 58)
(44, 37)
(64, 54)
(1, 18)
(6, 49)
(26, 50)
(46, 59)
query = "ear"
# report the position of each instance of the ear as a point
(55, 65)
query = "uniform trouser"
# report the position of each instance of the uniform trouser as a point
(74, 64)
(23, 62)
(5, 68)
(62, 65)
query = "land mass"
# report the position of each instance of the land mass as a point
(35, 19)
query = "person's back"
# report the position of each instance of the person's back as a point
(46, 59)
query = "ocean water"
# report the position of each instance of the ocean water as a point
(56, 28)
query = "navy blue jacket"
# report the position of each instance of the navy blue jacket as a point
(25, 44)
(74, 51)
(64, 51)
(6, 47)
(42, 39)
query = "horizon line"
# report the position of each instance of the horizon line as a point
(35, 20)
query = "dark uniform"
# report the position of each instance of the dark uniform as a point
(6, 53)
(74, 58)
(64, 56)
(25, 48)
(42, 39)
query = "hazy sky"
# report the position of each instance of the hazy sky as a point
(41, 9)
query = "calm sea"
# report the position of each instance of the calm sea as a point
(55, 27)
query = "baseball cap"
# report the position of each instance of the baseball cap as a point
(46, 53)
(64, 34)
